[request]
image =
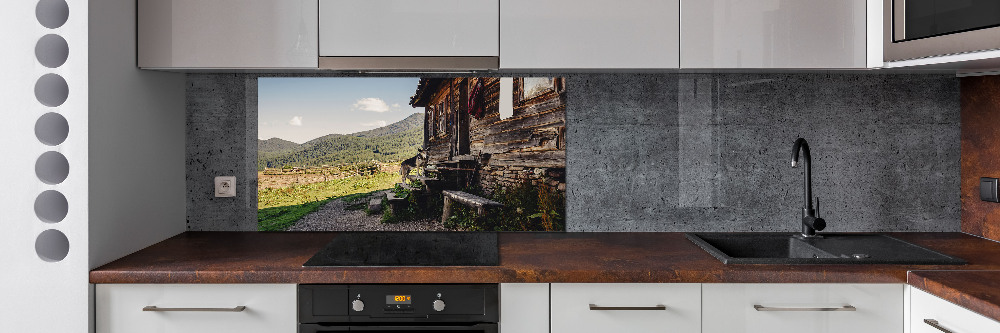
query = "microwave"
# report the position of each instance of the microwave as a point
(916, 29)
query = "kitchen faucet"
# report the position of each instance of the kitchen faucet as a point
(810, 222)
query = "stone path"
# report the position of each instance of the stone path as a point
(334, 217)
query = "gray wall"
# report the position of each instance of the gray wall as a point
(685, 152)
(713, 152)
(136, 132)
(221, 141)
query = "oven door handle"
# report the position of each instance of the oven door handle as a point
(416, 327)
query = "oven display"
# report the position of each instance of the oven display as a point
(397, 299)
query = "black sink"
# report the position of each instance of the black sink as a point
(787, 248)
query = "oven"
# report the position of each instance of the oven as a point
(927, 28)
(465, 308)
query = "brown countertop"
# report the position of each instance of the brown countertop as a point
(260, 257)
(978, 291)
(263, 257)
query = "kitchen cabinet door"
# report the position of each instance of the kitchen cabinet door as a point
(524, 308)
(776, 33)
(268, 308)
(227, 34)
(626, 307)
(409, 28)
(927, 310)
(567, 34)
(802, 308)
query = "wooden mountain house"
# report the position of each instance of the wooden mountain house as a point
(465, 130)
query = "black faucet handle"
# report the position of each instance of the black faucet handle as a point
(814, 223)
(819, 224)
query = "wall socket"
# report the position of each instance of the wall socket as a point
(225, 186)
(988, 189)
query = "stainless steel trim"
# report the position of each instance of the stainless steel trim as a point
(158, 309)
(759, 307)
(409, 63)
(963, 42)
(627, 308)
(934, 323)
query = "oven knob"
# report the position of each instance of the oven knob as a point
(438, 305)
(358, 305)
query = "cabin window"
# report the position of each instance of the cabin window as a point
(432, 117)
(537, 86)
(442, 118)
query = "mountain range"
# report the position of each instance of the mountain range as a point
(390, 143)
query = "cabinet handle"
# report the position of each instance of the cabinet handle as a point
(629, 308)
(233, 309)
(935, 324)
(759, 307)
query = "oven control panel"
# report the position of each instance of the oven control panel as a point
(398, 303)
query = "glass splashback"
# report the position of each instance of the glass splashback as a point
(411, 154)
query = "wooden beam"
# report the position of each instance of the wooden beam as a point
(542, 159)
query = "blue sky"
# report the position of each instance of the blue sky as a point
(302, 109)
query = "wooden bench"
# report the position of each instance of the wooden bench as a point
(481, 204)
(421, 178)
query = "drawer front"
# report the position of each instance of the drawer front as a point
(269, 308)
(572, 311)
(730, 308)
(949, 316)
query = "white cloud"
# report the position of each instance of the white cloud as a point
(377, 123)
(371, 104)
(395, 105)
(295, 121)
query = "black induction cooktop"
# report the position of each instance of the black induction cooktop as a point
(409, 249)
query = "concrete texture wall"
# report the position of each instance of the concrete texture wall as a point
(694, 152)
(684, 152)
(221, 141)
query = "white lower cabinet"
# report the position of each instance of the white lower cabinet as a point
(196, 308)
(802, 308)
(930, 314)
(570, 307)
(625, 307)
(524, 307)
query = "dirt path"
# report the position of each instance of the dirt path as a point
(334, 217)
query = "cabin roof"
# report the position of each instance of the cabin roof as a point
(425, 89)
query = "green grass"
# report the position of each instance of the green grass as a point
(282, 218)
(279, 209)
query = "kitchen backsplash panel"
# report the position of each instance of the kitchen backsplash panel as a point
(980, 153)
(684, 152)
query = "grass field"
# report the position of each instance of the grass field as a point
(279, 208)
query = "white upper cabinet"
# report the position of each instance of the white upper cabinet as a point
(568, 34)
(227, 34)
(409, 28)
(779, 33)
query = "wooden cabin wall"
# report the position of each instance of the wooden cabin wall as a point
(436, 116)
(529, 147)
